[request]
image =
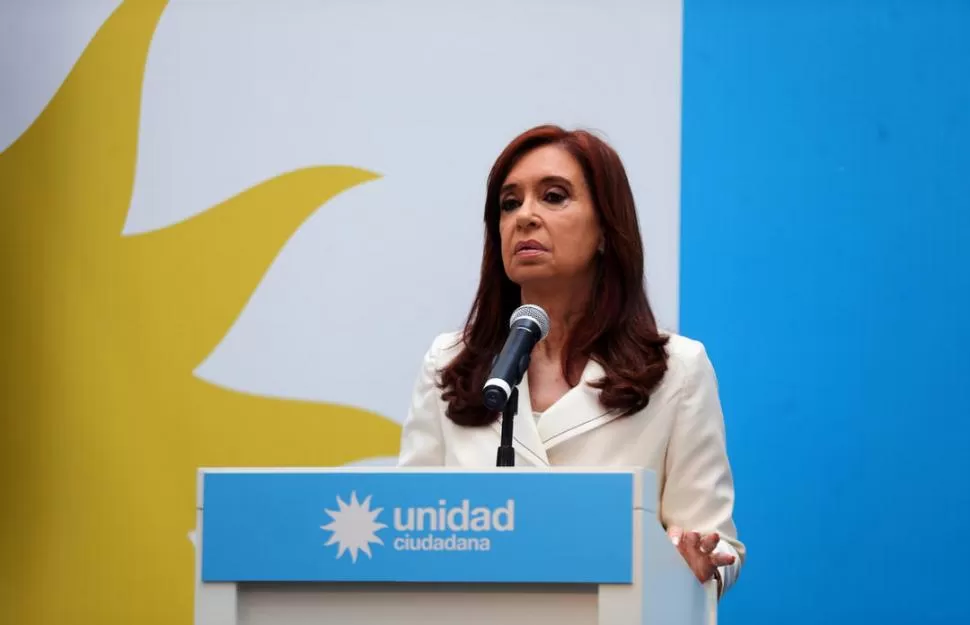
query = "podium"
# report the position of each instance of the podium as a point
(439, 546)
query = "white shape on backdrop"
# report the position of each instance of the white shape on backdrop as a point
(40, 42)
(426, 93)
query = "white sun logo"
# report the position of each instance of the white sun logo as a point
(354, 527)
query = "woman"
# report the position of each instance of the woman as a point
(604, 387)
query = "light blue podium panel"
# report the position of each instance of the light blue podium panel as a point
(428, 546)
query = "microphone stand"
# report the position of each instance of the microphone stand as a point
(506, 454)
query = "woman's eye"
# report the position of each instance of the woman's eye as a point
(509, 203)
(555, 196)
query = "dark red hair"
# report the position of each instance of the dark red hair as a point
(618, 329)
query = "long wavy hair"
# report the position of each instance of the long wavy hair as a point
(618, 329)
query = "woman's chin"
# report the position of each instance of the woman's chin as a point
(532, 275)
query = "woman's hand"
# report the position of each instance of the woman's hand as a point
(699, 552)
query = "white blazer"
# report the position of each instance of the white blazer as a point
(679, 435)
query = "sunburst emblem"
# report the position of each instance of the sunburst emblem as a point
(354, 527)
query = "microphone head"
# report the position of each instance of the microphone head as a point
(533, 313)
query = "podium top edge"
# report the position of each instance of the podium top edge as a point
(398, 470)
(645, 487)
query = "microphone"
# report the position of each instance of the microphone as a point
(529, 325)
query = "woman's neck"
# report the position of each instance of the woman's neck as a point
(565, 307)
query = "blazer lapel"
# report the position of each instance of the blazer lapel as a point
(526, 440)
(576, 412)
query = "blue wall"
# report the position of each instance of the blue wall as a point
(825, 210)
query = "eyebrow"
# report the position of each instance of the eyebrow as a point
(544, 180)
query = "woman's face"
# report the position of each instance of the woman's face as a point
(548, 225)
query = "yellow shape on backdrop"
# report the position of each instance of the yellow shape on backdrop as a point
(104, 422)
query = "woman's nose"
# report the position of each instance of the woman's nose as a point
(526, 215)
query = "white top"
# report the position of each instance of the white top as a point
(679, 435)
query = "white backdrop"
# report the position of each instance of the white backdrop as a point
(234, 94)
(425, 93)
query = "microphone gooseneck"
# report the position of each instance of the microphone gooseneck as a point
(529, 325)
